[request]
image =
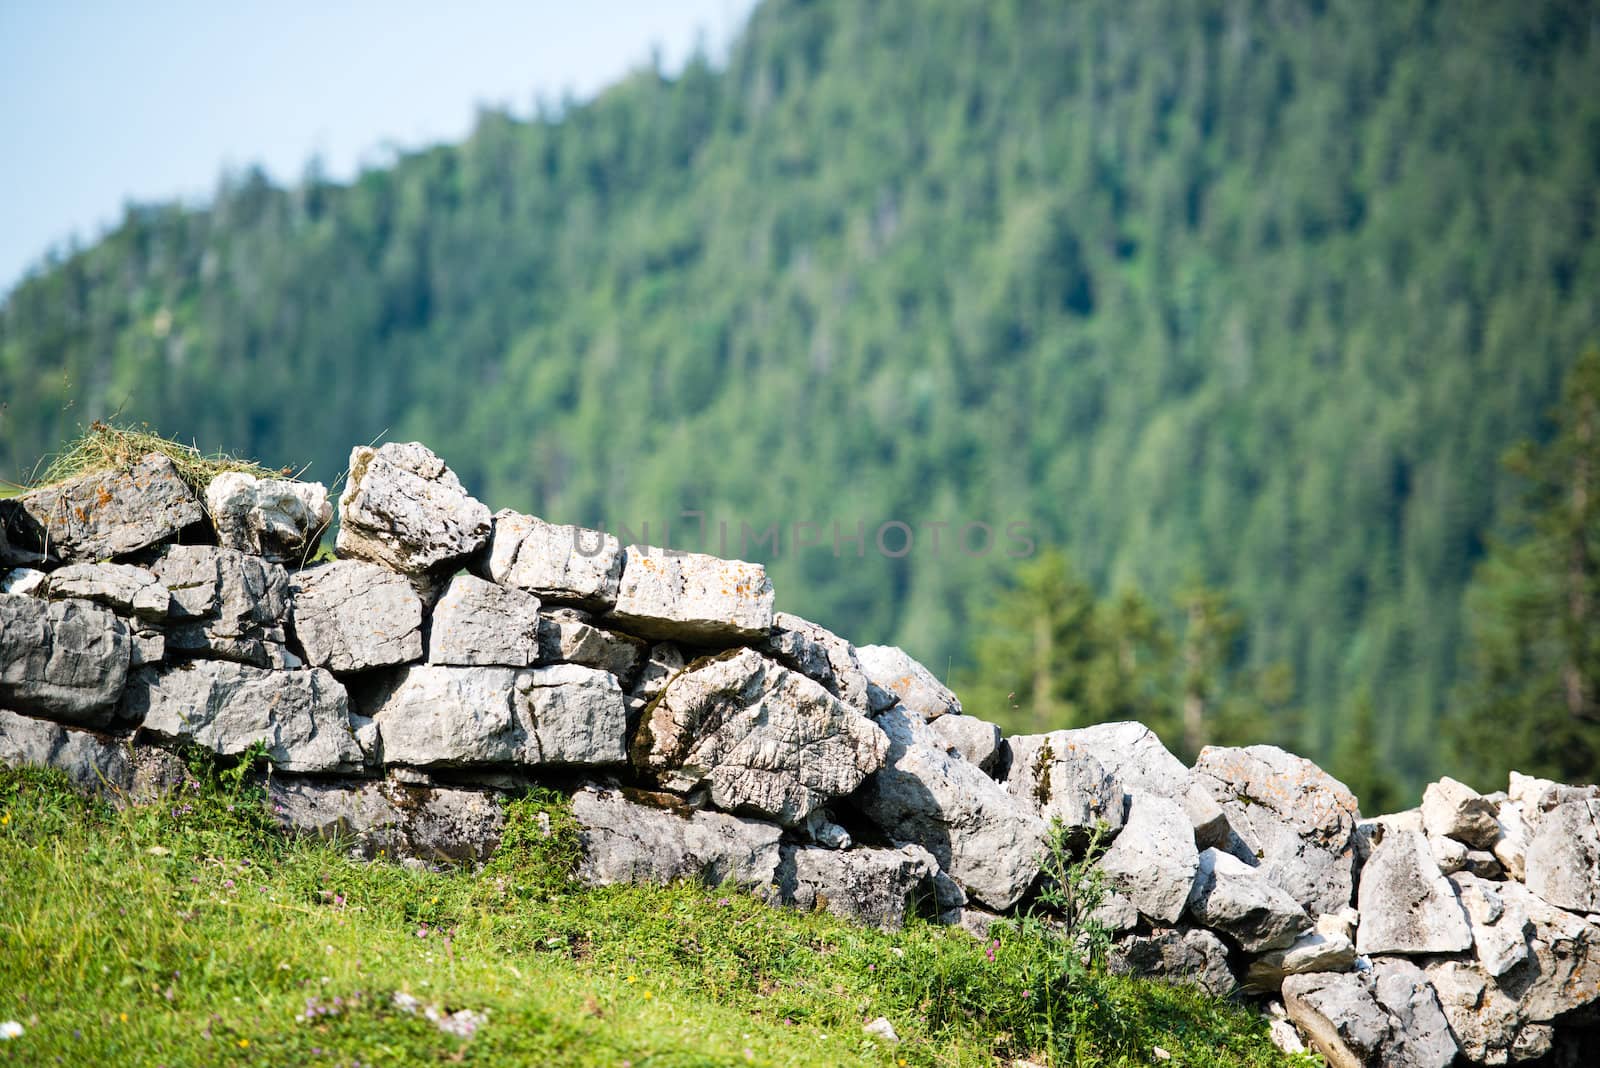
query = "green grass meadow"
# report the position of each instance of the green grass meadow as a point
(192, 932)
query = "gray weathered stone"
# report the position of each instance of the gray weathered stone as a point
(1499, 932)
(1062, 780)
(975, 740)
(1295, 818)
(104, 513)
(916, 688)
(573, 715)
(1339, 1014)
(1407, 905)
(1562, 971)
(440, 716)
(225, 604)
(870, 886)
(1452, 809)
(123, 588)
(1231, 897)
(1328, 947)
(823, 657)
(1179, 955)
(90, 761)
(654, 838)
(1421, 1032)
(1132, 754)
(1382, 1017)
(567, 635)
(276, 518)
(301, 716)
(403, 508)
(350, 615)
(390, 818)
(1115, 912)
(764, 739)
(147, 645)
(988, 841)
(692, 597)
(1487, 1021)
(65, 660)
(561, 564)
(1154, 860)
(477, 623)
(1563, 856)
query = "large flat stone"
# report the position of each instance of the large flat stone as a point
(65, 660)
(765, 740)
(1561, 973)
(1387, 1016)
(1328, 947)
(103, 514)
(1487, 1022)
(569, 636)
(1407, 905)
(879, 887)
(125, 589)
(391, 818)
(440, 716)
(663, 841)
(574, 715)
(1178, 955)
(301, 716)
(477, 623)
(560, 564)
(350, 615)
(1563, 856)
(692, 597)
(91, 761)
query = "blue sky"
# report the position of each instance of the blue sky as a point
(105, 102)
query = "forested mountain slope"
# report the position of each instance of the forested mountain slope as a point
(1254, 293)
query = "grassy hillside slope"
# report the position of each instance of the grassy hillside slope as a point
(191, 932)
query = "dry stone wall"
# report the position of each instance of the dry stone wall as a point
(451, 656)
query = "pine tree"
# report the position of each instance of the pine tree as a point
(1532, 699)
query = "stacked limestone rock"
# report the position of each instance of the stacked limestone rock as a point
(450, 656)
